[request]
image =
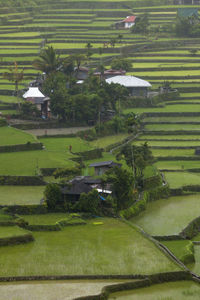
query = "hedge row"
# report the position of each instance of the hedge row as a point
(15, 240)
(174, 237)
(21, 180)
(176, 158)
(26, 209)
(170, 114)
(118, 144)
(7, 223)
(171, 132)
(147, 196)
(185, 189)
(192, 229)
(70, 221)
(50, 227)
(21, 147)
(152, 182)
(91, 154)
(47, 171)
(3, 122)
(159, 192)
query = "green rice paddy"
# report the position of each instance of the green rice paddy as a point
(10, 231)
(164, 217)
(179, 179)
(54, 289)
(20, 195)
(164, 291)
(13, 136)
(112, 248)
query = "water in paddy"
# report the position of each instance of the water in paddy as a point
(179, 290)
(169, 216)
(52, 290)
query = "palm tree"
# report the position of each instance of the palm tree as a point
(14, 75)
(48, 61)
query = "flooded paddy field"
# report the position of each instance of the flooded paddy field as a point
(165, 291)
(164, 217)
(52, 290)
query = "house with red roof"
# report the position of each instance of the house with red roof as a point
(127, 23)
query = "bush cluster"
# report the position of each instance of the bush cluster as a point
(21, 180)
(21, 147)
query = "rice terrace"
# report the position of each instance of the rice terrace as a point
(100, 149)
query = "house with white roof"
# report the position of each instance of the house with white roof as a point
(137, 87)
(42, 102)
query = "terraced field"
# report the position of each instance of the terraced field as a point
(172, 130)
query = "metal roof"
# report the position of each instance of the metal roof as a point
(128, 81)
(33, 92)
(185, 12)
(104, 163)
(129, 19)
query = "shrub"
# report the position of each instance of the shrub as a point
(89, 203)
(52, 195)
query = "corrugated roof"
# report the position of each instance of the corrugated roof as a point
(129, 19)
(187, 12)
(128, 81)
(33, 92)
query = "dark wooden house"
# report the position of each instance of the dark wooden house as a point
(102, 167)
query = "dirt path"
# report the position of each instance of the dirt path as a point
(56, 131)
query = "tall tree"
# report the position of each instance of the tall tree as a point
(14, 75)
(88, 47)
(48, 61)
(141, 24)
(121, 64)
(122, 183)
(78, 59)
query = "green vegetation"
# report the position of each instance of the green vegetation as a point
(109, 248)
(184, 250)
(179, 179)
(62, 144)
(45, 219)
(164, 217)
(164, 291)
(29, 162)
(57, 289)
(21, 195)
(10, 231)
(12, 136)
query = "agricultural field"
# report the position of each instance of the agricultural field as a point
(91, 249)
(53, 290)
(104, 245)
(13, 136)
(180, 179)
(11, 231)
(170, 290)
(21, 195)
(164, 217)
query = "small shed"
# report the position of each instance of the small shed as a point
(127, 23)
(42, 102)
(137, 87)
(101, 167)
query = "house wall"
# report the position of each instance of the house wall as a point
(138, 91)
(129, 25)
(100, 170)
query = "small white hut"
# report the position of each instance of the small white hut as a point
(42, 102)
